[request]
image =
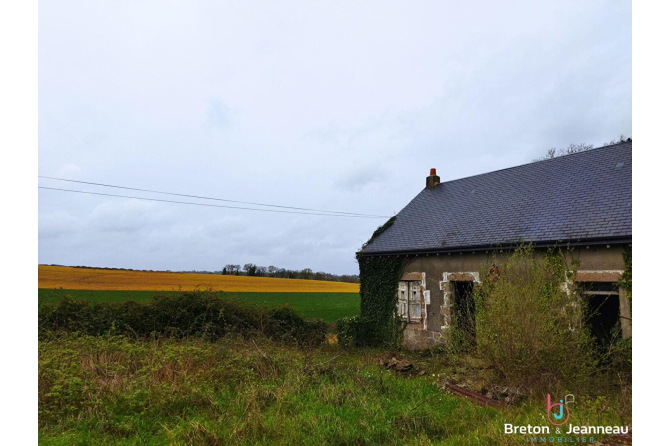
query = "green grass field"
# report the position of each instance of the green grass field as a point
(326, 306)
(119, 391)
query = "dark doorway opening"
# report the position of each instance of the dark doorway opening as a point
(463, 315)
(602, 311)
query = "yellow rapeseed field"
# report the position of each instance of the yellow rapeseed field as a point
(104, 279)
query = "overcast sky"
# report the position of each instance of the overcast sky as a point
(328, 105)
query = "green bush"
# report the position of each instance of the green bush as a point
(358, 331)
(189, 314)
(290, 327)
(345, 328)
(529, 328)
(620, 356)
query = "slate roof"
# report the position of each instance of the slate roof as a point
(573, 198)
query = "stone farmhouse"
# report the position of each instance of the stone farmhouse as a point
(581, 201)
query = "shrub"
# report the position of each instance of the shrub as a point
(354, 332)
(189, 314)
(529, 328)
(289, 326)
(344, 328)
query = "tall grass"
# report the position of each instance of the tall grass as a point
(116, 390)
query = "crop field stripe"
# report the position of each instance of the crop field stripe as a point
(70, 278)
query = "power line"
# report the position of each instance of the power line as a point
(211, 198)
(209, 205)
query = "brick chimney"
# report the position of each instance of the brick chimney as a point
(432, 180)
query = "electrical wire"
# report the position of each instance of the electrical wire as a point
(210, 198)
(350, 215)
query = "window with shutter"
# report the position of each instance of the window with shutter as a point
(410, 302)
(402, 300)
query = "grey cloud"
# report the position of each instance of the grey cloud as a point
(56, 224)
(218, 115)
(324, 106)
(360, 177)
(125, 216)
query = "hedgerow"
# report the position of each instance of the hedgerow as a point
(188, 314)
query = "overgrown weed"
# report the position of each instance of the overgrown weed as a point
(116, 390)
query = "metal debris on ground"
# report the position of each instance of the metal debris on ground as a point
(508, 395)
(400, 366)
(494, 396)
(472, 396)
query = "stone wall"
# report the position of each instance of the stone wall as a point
(598, 263)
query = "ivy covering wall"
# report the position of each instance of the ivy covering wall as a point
(379, 298)
(378, 324)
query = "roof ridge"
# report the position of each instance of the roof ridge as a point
(536, 162)
(593, 201)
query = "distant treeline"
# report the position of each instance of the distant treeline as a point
(250, 269)
(247, 270)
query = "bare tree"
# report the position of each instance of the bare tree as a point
(250, 269)
(306, 274)
(622, 138)
(272, 271)
(572, 148)
(576, 148)
(231, 269)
